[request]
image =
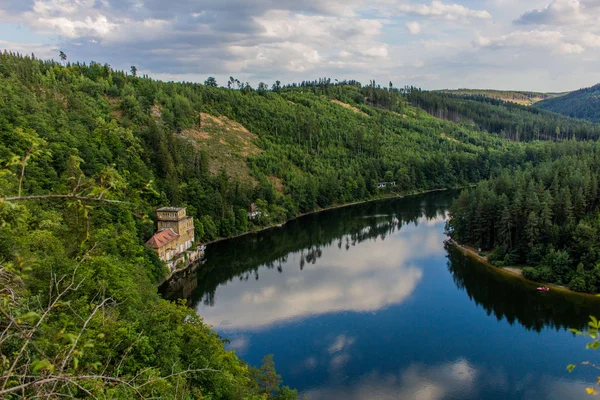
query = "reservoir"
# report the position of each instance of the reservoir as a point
(366, 302)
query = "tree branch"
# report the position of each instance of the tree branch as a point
(25, 159)
(63, 197)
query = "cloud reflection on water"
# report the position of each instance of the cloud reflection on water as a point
(452, 380)
(367, 277)
(417, 382)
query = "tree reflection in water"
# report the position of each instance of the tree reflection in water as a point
(517, 300)
(242, 257)
(305, 239)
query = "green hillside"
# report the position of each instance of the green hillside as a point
(514, 96)
(545, 217)
(87, 153)
(507, 119)
(583, 103)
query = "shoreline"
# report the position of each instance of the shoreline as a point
(513, 271)
(334, 207)
(320, 210)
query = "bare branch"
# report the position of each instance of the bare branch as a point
(64, 197)
(83, 328)
(32, 331)
(189, 371)
(24, 164)
(118, 368)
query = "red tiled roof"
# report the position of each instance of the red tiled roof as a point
(162, 238)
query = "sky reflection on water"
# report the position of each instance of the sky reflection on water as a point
(364, 278)
(366, 303)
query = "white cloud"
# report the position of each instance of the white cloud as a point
(285, 25)
(291, 40)
(300, 43)
(414, 28)
(340, 343)
(369, 278)
(563, 12)
(239, 344)
(439, 9)
(39, 49)
(454, 379)
(72, 29)
(68, 18)
(589, 39)
(553, 40)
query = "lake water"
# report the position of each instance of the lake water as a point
(365, 302)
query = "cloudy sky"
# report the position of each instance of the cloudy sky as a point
(545, 45)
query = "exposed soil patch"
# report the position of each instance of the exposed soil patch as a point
(277, 182)
(349, 107)
(115, 109)
(228, 145)
(156, 112)
(445, 136)
(516, 271)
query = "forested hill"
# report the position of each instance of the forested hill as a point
(546, 217)
(507, 119)
(583, 103)
(87, 153)
(514, 96)
(289, 150)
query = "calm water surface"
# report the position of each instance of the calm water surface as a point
(365, 302)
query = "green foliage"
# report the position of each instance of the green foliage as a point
(583, 103)
(594, 344)
(507, 119)
(543, 215)
(116, 146)
(80, 314)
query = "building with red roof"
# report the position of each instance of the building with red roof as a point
(175, 235)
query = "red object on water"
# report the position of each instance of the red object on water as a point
(543, 289)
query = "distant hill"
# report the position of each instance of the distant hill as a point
(510, 120)
(519, 97)
(583, 103)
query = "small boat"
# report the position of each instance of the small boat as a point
(543, 289)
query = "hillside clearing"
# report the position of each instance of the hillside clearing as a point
(349, 107)
(445, 136)
(228, 145)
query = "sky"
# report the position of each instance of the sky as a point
(540, 45)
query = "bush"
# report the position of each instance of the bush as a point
(578, 284)
(496, 257)
(531, 273)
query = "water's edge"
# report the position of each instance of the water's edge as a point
(507, 272)
(316, 211)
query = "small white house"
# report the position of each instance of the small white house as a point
(383, 185)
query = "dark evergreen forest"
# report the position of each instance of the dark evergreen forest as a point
(583, 103)
(544, 216)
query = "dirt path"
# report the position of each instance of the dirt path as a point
(470, 250)
(516, 271)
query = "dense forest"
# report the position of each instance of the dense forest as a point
(583, 103)
(515, 96)
(87, 153)
(507, 119)
(545, 216)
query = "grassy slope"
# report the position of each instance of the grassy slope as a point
(228, 145)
